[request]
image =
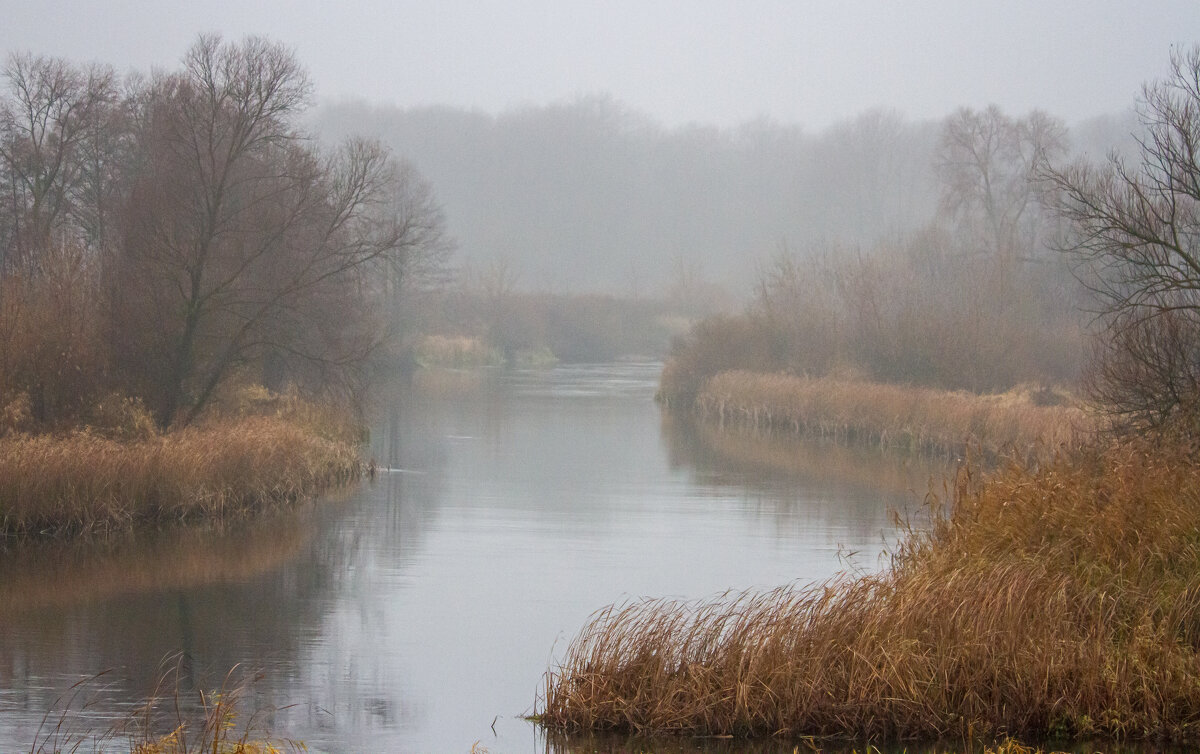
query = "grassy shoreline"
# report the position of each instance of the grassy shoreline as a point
(1051, 601)
(893, 416)
(85, 482)
(1055, 595)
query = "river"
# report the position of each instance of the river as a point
(419, 611)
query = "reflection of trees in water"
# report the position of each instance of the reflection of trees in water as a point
(259, 594)
(75, 609)
(356, 561)
(797, 478)
(42, 574)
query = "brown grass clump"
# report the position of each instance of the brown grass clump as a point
(1058, 601)
(86, 482)
(898, 416)
(170, 721)
(615, 743)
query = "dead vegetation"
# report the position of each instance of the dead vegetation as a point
(272, 453)
(169, 721)
(1062, 600)
(895, 416)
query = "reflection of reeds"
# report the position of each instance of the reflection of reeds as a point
(37, 574)
(1058, 600)
(746, 450)
(895, 416)
(593, 743)
(83, 482)
(449, 383)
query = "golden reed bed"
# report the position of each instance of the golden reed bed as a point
(83, 482)
(1062, 600)
(906, 417)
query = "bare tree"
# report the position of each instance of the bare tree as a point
(48, 133)
(1136, 231)
(242, 241)
(57, 137)
(987, 162)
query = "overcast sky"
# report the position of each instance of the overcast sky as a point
(724, 63)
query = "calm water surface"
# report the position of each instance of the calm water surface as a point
(420, 611)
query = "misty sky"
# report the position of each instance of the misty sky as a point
(724, 63)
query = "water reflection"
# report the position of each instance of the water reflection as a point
(743, 455)
(419, 613)
(807, 481)
(611, 744)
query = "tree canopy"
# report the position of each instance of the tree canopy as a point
(207, 232)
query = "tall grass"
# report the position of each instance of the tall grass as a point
(170, 721)
(1061, 600)
(86, 482)
(900, 416)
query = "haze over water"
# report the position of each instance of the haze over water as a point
(426, 605)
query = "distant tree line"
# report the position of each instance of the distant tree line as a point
(975, 298)
(591, 196)
(1027, 249)
(166, 233)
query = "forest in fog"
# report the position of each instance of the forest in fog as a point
(589, 196)
(881, 247)
(165, 235)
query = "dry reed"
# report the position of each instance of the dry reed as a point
(84, 482)
(898, 416)
(1061, 600)
(170, 721)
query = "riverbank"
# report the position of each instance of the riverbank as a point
(894, 416)
(269, 452)
(1056, 600)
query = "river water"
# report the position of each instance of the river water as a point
(420, 611)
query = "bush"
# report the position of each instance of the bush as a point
(715, 344)
(121, 418)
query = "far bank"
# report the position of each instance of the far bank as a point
(120, 473)
(1018, 422)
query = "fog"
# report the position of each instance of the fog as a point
(591, 195)
(633, 149)
(488, 237)
(808, 63)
